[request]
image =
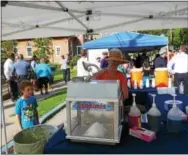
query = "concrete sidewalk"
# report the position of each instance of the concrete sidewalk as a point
(12, 128)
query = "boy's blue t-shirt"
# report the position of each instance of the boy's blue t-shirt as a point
(25, 108)
(43, 70)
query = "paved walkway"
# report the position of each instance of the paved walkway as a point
(12, 128)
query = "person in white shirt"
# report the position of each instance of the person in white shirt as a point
(8, 72)
(80, 68)
(68, 59)
(34, 62)
(178, 67)
(33, 76)
(64, 67)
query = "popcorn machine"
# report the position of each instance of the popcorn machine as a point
(94, 112)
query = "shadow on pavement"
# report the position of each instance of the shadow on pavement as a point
(9, 106)
(6, 124)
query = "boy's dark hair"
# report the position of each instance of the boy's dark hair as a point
(24, 84)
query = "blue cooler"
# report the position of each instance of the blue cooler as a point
(169, 103)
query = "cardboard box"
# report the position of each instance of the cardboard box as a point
(142, 134)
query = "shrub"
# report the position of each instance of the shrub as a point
(73, 61)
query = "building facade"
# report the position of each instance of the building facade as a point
(61, 46)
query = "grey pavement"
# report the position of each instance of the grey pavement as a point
(11, 125)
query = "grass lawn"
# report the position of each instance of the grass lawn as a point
(51, 102)
(48, 104)
(58, 75)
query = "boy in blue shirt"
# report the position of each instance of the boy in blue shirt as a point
(26, 107)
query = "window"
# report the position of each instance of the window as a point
(58, 50)
(78, 48)
(29, 51)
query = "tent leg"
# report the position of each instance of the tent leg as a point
(4, 125)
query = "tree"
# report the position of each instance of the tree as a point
(7, 47)
(177, 36)
(180, 37)
(44, 47)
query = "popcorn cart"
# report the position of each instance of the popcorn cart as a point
(94, 112)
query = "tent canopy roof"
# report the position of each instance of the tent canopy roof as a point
(127, 40)
(21, 19)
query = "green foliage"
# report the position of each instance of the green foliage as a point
(7, 47)
(180, 37)
(48, 104)
(54, 65)
(44, 47)
(177, 36)
(73, 61)
(58, 74)
(155, 32)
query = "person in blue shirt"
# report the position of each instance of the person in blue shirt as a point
(21, 68)
(43, 73)
(26, 107)
(104, 61)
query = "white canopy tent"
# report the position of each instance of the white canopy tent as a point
(21, 20)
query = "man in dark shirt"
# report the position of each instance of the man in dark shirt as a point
(21, 69)
(161, 61)
(104, 61)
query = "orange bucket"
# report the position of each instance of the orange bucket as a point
(161, 77)
(136, 75)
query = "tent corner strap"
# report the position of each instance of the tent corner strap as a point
(89, 12)
(4, 3)
(151, 16)
(90, 31)
(66, 10)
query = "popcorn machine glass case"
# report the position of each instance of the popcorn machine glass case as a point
(94, 112)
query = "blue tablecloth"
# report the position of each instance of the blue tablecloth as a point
(165, 143)
(145, 90)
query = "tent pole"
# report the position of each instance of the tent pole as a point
(32, 27)
(71, 14)
(4, 125)
(120, 24)
(36, 6)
